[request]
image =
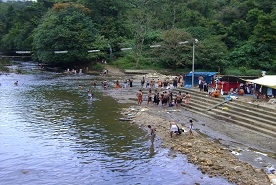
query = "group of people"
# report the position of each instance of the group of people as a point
(166, 98)
(152, 84)
(126, 83)
(202, 84)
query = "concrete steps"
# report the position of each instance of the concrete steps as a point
(254, 117)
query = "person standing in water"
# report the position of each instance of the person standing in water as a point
(89, 94)
(152, 133)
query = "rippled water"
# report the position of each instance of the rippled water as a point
(50, 133)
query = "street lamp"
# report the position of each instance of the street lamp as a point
(193, 60)
(193, 67)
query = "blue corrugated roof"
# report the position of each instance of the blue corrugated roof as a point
(202, 74)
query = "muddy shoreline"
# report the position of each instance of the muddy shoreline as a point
(217, 148)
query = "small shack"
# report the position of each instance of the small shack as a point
(266, 85)
(231, 82)
(208, 77)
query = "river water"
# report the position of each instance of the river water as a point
(50, 133)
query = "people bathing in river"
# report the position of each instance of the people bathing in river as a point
(125, 83)
(142, 82)
(89, 94)
(117, 84)
(104, 84)
(94, 83)
(152, 133)
(130, 81)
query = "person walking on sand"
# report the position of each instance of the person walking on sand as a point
(139, 95)
(191, 128)
(152, 133)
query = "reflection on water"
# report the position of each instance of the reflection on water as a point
(50, 133)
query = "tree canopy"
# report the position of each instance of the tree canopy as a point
(66, 27)
(232, 34)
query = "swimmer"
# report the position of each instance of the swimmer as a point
(89, 94)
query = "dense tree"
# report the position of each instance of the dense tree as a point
(66, 27)
(19, 22)
(232, 33)
(210, 54)
(175, 50)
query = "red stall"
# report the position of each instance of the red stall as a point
(231, 83)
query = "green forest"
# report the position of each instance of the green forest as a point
(236, 37)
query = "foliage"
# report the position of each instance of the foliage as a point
(172, 54)
(66, 27)
(96, 67)
(232, 34)
(211, 49)
(242, 71)
(3, 64)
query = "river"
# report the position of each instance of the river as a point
(50, 133)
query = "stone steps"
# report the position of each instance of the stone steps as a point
(251, 116)
(234, 109)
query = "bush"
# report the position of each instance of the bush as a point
(96, 67)
(242, 71)
(3, 64)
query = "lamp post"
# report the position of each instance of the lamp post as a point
(193, 60)
(193, 67)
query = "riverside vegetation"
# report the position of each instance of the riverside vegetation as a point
(235, 37)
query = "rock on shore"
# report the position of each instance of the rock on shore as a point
(210, 157)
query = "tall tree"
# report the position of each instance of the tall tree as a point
(66, 27)
(172, 53)
(141, 27)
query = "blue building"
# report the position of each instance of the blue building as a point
(206, 75)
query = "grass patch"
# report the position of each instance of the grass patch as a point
(242, 71)
(4, 63)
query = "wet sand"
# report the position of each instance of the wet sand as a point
(218, 148)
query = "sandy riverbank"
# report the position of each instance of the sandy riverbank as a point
(208, 151)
